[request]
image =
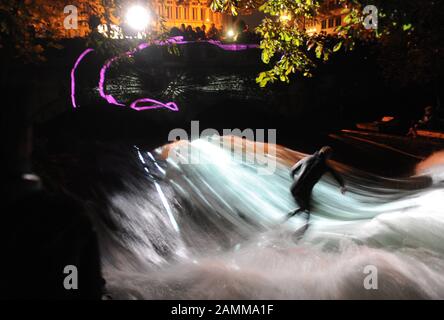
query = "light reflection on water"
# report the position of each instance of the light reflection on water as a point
(182, 85)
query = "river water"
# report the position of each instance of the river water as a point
(214, 228)
(205, 219)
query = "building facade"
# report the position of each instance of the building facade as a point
(188, 12)
(173, 12)
(330, 17)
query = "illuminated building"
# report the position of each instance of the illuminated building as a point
(188, 12)
(50, 22)
(329, 18)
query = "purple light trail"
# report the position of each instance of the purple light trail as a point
(73, 78)
(152, 104)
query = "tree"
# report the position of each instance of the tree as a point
(404, 27)
(28, 27)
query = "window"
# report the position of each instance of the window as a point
(202, 14)
(169, 13)
(185, 13)
(331, 22)
(194, 14)
(324, 24)
(338, 21)
(177, 13)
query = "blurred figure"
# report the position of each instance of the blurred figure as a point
(427, 118)
(412, 133)
(245, 34)
(213, 33)
(200, 35)
(190, 35)
(222, 35)
(240, 26)
(426, 122)
(306, 173)
(175, 31)
(182, 30)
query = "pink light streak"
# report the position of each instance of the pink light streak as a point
(154, 104)
(109, 98)
(73, 76)
(151, 103)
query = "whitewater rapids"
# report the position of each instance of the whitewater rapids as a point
(213, 230)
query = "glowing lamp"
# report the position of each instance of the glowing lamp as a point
(285, 17)
(137, 18)
(230, 33)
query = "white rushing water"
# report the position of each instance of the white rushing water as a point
(213, 230)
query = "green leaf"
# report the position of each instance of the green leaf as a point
(233, 10)
(265, 57)
(319, 50)
(263, 82)
(406, 27)
(261, 76)
(326, 55)
(337, 47)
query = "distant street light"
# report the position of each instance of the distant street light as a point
(137, 18)
(230, 33)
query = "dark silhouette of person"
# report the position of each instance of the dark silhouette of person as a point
(175, 31)
(426, 122)
(190, 35)
(182, 30)
(200, 35)
(306, 173)
(213, 33)
(240, 26)
(244, 33)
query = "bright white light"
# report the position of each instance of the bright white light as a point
(230, 33)
(137, 18)
(285, 17)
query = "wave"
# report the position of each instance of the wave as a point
(199, 220)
